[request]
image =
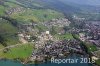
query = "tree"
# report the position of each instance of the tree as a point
(66, 28)
(2, 41)
(53, 30)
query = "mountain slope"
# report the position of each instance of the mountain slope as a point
(27, 10)
(57, 5)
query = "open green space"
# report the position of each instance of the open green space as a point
(91, 47)
(23, 51)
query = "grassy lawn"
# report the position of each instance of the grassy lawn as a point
(23, 51)
(65, 36)
(91, 47)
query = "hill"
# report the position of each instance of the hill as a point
(14, 12)
(27, 10)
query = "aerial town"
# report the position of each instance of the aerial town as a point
(48, 45)
(45, 32)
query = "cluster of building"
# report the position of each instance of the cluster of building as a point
(57, 49)
(61, 22)
(27, 31)
(15, 10)
(43, 38)
(48, 46)
(91, 34)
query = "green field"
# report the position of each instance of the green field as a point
(23, 52)
(37, 15)
(6, 27)
(4, 8)
(7, 32)
(91, 47)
